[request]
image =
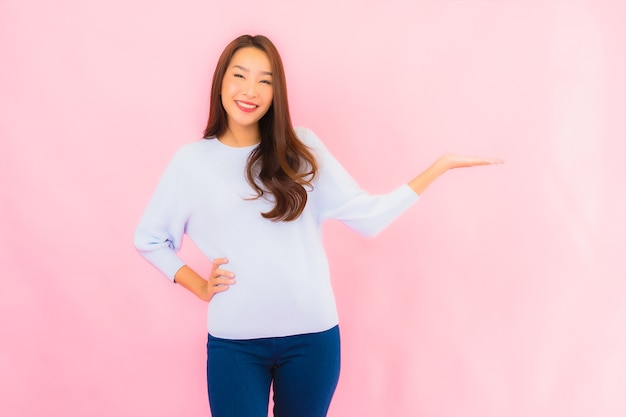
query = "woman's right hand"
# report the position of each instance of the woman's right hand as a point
(219, 280)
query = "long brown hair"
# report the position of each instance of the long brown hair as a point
(281, 165)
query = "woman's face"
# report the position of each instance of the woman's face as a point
(247, 90)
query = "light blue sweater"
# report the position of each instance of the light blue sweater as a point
(283, 281)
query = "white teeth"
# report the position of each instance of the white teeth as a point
(245, 105)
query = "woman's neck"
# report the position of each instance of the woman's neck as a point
(241, 137)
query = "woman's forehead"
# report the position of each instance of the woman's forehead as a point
(251, 59)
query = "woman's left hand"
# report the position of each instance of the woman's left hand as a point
(450, 161)
(444, 163)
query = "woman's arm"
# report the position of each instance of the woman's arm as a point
(338, 196)
(219, 280)
(443, 164)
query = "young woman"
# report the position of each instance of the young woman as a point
(252, 196)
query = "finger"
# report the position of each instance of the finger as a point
(223, 273)
(483, 161)
(216, 271)
(219, 261)
(221, 280)
(220, 288)
(224, 281)
(218, 282)
(220, 285)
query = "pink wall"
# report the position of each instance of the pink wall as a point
(500, 294)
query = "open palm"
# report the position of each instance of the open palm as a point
(451, 161)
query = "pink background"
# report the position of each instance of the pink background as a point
(500, 294)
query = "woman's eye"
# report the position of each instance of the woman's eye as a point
(268, 82)
(238, 76)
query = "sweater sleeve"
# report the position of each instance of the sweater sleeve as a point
(160, 231)
(340, 197)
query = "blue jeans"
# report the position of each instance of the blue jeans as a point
(304, 370)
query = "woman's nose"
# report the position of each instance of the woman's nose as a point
(250, 89)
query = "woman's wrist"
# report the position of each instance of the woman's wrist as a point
(192, 281)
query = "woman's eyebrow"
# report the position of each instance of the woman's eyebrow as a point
(241, 67)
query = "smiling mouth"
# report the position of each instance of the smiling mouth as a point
(247, 106)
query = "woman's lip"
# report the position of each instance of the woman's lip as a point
(249, 107)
